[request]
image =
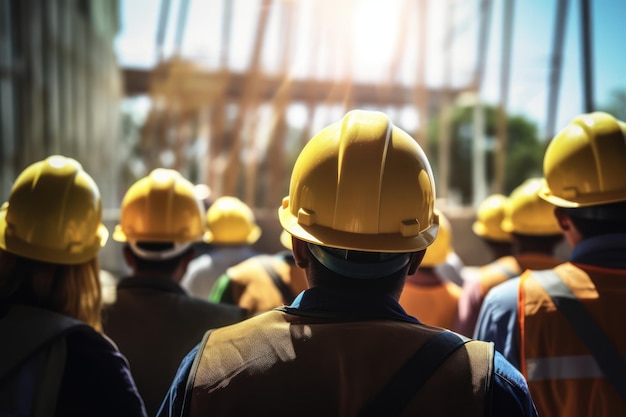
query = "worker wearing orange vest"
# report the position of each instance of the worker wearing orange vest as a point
(262, 282)
(534, 232)
(426, 294)
(361, 213)
(564, 326)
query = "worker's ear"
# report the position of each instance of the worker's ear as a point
(416, 260)
(563, 219)
(300, 252)
(568, 227)
(128, 257)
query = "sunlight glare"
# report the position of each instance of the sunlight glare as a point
(373, 38)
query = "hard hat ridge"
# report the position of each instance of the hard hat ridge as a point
(161, 207)
(363, 184)
(53, 214)
(585, 163)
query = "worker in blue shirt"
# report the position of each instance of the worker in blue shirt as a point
(563, 327)
(361, 214)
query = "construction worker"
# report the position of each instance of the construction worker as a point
(153, 320)
(361, 213)
(488, 225)
(232, 232)
(564, 326)
(535, 234)
(55, 359)
(262, 282)
(426, 294)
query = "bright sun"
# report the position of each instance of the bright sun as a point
(374, 37)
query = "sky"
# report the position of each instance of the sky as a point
(531, 48)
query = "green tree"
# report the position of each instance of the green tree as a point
(617, 104)
(524, 154)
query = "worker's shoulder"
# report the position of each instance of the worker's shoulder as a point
(511, 396)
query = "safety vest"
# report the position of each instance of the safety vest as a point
(563, 377)
(508, 267)
(435, 305)
(278, 363)
(264, 282)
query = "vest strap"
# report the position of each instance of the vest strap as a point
(192, 375)
(505, 270)
(36, 328)
(37, 352)
(284, 289)
(409, 379)
(607, 357)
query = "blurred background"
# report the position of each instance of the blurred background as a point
(228, 91)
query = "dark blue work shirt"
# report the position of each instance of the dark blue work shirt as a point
(498, 321)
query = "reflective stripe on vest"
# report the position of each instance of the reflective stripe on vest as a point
(562, 374)
(563, 367)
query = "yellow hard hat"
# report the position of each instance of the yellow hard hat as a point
(54, 214)
(161, 207)
(489, 219)
(585, 164)
(232, 222)
(437, 253)
(525, 213)
(362, 184)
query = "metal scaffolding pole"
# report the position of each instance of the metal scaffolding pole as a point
(505, 75)
(556, 65)
(587, 55)
(479, 174)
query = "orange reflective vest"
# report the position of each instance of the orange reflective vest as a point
(435, 305)
(563, 377)
(283, 364)
(508, 267)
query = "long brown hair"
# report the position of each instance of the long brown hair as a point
(73, 290)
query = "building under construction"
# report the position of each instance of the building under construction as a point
(235, 116)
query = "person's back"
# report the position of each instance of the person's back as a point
(321, 366)
(564, 326)
(153, 320)
(534, 233)
(262, 282)
(426, 294)
(55, 359)
(232, 232)
(336, 348)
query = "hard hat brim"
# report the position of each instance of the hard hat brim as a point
(386, 242)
